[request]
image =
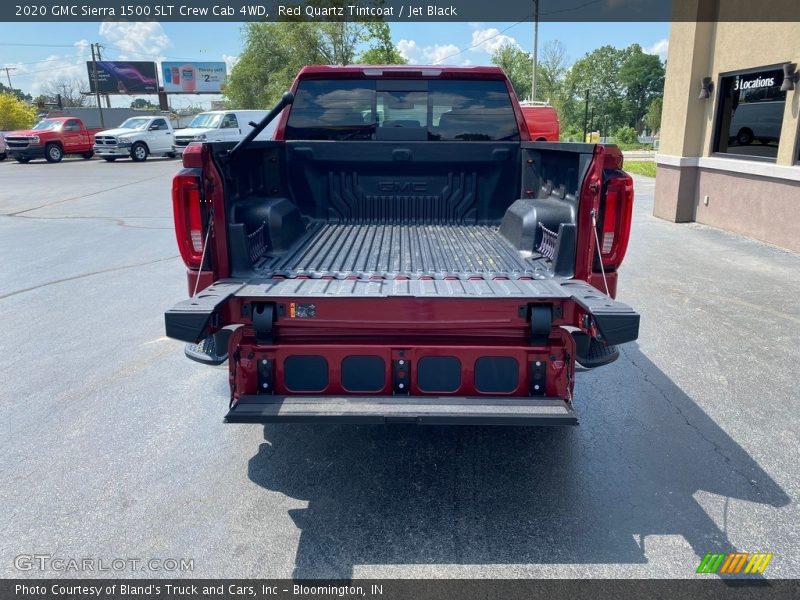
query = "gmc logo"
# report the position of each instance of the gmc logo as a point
(402, 186)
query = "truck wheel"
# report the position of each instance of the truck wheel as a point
(139, 152)
(22, 160)
(3, 157)
(109, 158)
(744, 137)
(53, 153)
(87, 155)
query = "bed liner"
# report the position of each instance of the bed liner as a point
(404, 250)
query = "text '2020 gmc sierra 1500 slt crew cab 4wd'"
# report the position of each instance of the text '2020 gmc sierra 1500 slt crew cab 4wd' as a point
(402, 252)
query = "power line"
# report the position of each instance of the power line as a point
(40, 45)
(491, 37)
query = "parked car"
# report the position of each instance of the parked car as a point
(433, 265)
(541, 120)
(3, 154)
(220, 126)
(51, 139)
(137, 138)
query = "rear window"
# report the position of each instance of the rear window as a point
(439, 110)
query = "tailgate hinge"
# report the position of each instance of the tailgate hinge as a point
(541, 319)
(264, 322)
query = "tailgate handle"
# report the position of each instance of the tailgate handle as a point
(264, 322)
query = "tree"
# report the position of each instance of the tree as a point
(73, 91)
(518, 67)
(653, 117)
(143, 104)
(625, 135)
(14, 113)
(598, 72)
(274, 53)
(642, 76)
(383, 51)
(4, 89)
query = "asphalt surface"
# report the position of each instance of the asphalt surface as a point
(113, 444)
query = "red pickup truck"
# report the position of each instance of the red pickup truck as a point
(51, 139)
(402, 252)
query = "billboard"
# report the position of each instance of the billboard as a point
(193, 77)
(123, 77)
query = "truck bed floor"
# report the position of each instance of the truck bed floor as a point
(414, 251)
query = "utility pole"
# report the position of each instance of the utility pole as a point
(8, 74)
(99, 57)
(535, 47)
(96, 86)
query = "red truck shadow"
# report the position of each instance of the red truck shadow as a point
(408, 495)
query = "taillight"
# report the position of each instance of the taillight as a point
(615, 228)
(187, 208)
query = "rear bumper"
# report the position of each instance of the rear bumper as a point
(420, 410)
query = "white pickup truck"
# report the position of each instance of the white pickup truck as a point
(137, 138)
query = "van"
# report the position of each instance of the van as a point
(221, 126)
(541, 120)
(760, 121)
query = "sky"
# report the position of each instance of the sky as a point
(42, 52)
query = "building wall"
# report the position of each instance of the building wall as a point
(753, 198)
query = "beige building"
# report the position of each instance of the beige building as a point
(732, 159)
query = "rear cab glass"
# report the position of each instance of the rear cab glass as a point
(402, 109)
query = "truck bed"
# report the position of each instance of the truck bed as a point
(408, 250)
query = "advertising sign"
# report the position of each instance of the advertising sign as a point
(123, 77)
(193, 77)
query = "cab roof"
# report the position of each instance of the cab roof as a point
(431, 71)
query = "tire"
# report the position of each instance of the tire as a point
(53, 153)
(139, 152)
(109, 158)
(3, 157)
(744, 137)
(22, 160)
(764, 141)
(87, 155)
(168, 155)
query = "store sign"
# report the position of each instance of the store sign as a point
(193, 77)
(755, 81)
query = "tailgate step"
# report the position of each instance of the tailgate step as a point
(427, 410)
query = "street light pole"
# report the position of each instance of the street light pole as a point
(586, 116)
(535, 47)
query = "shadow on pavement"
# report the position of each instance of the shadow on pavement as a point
(482, 495)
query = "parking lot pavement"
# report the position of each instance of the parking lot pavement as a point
(114, 446)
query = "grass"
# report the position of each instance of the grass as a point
(640, 167)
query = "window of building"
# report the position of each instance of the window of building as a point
(750, 114)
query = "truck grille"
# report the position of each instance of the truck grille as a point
(105, 140)
(183, 141)
(17, 142)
